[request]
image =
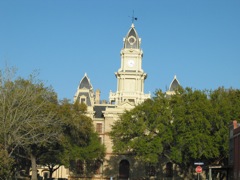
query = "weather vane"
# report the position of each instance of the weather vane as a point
(133, 17)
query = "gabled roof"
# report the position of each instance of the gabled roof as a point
(126, 105)
(132, 41)
(85, 83)
(174, 84)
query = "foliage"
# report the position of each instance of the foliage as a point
(6, 165)
(78, 140)
(191, 112)
(226, 108)
(189, 126)
(27, 119)
(144, 131)
(34, 126)
(51, 157)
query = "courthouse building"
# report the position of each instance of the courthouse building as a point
(130, 92)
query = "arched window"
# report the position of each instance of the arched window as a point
(124, 167)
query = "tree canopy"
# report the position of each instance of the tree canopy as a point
(26, 116)
(35, 126)
(187, 126)
(78, 140)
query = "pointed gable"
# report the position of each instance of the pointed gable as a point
(132, 41)
(85, 83)
(85, 92)
(174, 85)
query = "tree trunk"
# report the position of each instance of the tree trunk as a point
(51, 172)
(51, 169)
(34, 167)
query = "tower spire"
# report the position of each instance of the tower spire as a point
(133, 18)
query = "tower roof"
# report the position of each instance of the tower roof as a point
(132, 41)
(85, 83)
(174, 84)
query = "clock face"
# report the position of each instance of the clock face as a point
(131, 63)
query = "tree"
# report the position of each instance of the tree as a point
(144, 131)
(6, 164)
(226, 108)
(191, 127)
(27, 119)
(188, 126)
(78, 140)
(51, 157)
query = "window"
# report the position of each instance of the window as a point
(169, 169)
(100, 139)
(151, 170)
(99, 127)
(94, 166)
(79, 167)
(98, 165)
(83, 100)
(124, 168)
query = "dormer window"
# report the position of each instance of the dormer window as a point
(83, 99)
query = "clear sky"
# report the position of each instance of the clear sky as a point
(197, 40)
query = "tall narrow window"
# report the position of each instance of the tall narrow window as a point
(98, 165)
(169, 169)
(100, 139)
(79, 167)
(83, 100)
(99, 127)
(124, 168)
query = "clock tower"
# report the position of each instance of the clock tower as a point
(130, 76)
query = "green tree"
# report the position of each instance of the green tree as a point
(144, 131)
(6, 165)
(78, 140)
(189, 126)
(51, 157)
(26, 117)
(226, 108)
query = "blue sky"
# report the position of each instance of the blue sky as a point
(197, 40)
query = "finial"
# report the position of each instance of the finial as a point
(133, 18)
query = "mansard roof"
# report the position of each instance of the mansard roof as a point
(85, 83)
(174, 84)
(132, 41)
(84, 92)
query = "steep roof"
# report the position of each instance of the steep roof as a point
(132, 41)
(174, 84)
(85, 92)
(85, 83)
